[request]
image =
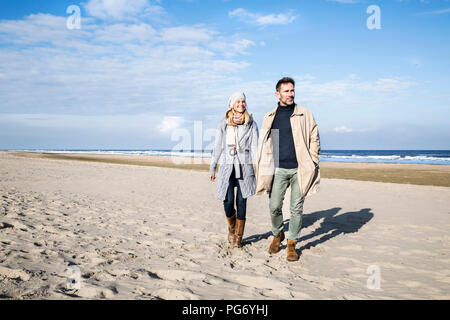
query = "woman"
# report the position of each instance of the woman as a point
(235, 150)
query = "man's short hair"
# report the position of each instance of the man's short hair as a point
(284, 80)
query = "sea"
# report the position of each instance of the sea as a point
(441, 157)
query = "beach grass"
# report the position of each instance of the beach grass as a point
(418, 174)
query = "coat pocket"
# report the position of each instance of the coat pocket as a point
(248, 170)
(310, 174)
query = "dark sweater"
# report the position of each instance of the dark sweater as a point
(287, 158)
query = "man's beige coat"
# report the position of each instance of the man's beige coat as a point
(307, 148)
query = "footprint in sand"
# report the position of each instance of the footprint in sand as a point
(180, 275)
(4, 226)
(88, 291)
(13, 274)
(175, 294)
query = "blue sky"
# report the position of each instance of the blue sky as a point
(140, 74)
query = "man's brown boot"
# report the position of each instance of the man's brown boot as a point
(240, 224)
(291, 253)
(231, 229)
(275, 245)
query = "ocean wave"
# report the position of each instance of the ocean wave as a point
(421, 159)
(393, 157)
(412, 157)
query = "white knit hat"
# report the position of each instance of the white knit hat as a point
(234, 97)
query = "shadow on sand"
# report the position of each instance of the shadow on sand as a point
(332, 226)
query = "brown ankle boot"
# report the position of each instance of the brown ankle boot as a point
(291, 253)
(231, 229)
(275, 245)
(240, 224)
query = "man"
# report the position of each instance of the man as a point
(288, 155)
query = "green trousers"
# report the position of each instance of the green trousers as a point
(284, 178)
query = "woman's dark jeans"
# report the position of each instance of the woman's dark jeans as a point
(228, 203)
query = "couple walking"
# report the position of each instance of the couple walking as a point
(286, 154)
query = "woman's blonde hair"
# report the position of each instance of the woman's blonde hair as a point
(229, 116)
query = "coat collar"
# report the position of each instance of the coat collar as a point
(296, 112)
(246, 129)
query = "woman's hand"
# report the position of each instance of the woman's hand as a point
(212, 177)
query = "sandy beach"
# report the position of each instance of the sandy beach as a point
(142, 228)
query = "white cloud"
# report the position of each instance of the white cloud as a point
(304, 78)
(37, 28)
(117, 75)
(169, 123)
(126, 33)
(84, 131)
(262, 20)
(187, 34)
(388, 85)
(345, 129)
(351, 90)
(121, 9)
(115, 8)
(232, 48)
(67, 121)
(342, 129)
(114, 67)
(435, 12)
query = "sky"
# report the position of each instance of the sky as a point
(147, 74)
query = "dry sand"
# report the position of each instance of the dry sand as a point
(144, 232)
